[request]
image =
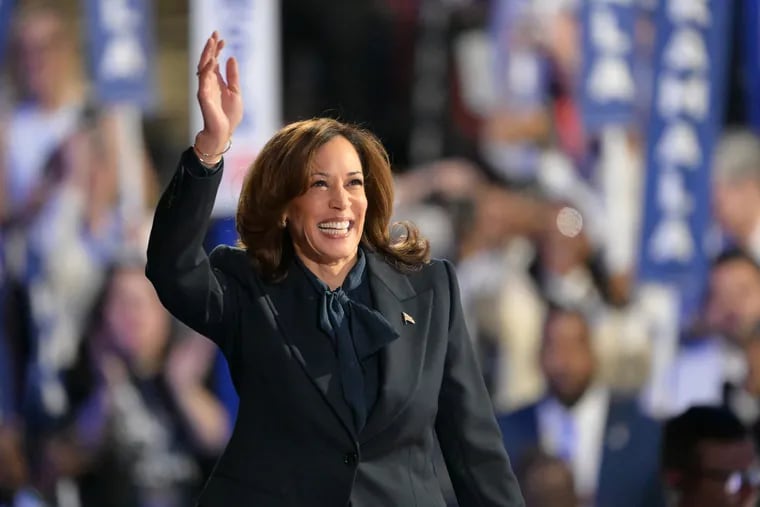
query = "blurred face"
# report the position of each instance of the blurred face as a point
(736, 205)
(326, 222)
(722, 480)
(138, 323)
(567, 360)
(44, 55)
(550, 484)
(733, 307)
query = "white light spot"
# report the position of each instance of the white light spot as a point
(569, 222)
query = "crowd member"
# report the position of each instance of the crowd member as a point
(709, 459)
(147, 427)
(546, 480)
(610, 446)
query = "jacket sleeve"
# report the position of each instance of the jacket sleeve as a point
(195, 293)
(467, 430)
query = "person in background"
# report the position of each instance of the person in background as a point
(709, 460)
(736, 189)
(608, 443)
(709, 367)
(546, 480)
(146, 427)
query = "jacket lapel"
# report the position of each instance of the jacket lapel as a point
(401, 361)
(307, 344)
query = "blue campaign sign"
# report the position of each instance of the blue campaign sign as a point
(520, 72)
(751, 60)
(607, 84)
(6, 14)
(121, 50)
(687, 113)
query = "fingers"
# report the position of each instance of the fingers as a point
(233, 75)
(210, 53)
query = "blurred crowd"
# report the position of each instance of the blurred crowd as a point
(105, 400)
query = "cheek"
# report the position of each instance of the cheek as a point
(360, 208)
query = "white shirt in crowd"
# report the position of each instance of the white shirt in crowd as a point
(576, 434)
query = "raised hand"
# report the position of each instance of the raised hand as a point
(221, 102)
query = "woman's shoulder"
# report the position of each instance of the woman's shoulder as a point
(431, 272)
(234, 262)
(226, 254)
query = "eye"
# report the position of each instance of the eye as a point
(319, 183)
(356, 182)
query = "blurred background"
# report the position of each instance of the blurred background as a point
(592, 167)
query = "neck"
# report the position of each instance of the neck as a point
(333, 274)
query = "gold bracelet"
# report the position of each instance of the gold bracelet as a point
(204, 156)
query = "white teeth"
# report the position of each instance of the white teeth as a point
(334, 225)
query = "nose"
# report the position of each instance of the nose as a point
(339, 198)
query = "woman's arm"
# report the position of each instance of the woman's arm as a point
(185, 281)
(469, 436)
(177, 264)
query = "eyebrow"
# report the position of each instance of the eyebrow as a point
(319, 173)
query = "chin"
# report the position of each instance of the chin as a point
(333, 254)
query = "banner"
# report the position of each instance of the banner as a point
(6, 15)
(251, 31)
(121, 51)
(520, 72)
(690, 77)
(751, 61)
(608, 90)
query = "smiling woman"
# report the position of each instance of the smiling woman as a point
(348, 350)
(328, 188)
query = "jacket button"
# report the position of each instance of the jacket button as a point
(350, 458)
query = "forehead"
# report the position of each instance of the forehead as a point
(338, 155)
(735, 270)
(40, 26)
(732, 455)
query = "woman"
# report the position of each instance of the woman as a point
(347, 350)
(146, 426)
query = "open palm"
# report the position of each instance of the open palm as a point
(221, 101)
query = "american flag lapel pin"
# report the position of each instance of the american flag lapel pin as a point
(407, 318)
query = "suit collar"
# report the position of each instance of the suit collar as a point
(305, 341)
(401, 361)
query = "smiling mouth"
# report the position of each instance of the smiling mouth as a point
(337, 228)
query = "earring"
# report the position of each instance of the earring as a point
(284, 223)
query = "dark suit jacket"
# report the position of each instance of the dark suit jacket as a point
(629, 470)
(293, 444)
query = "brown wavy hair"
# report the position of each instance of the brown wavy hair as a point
(281, 172)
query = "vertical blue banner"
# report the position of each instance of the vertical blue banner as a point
(519, 68)
(687, 114)
(6, 14)
(608, 90)
(751, 61)
(121, 50)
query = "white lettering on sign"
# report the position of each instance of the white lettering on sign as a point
(686, 51)
(689, 11)
(610, 79)
(679, 146)
(122, 56)
(690, 96)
